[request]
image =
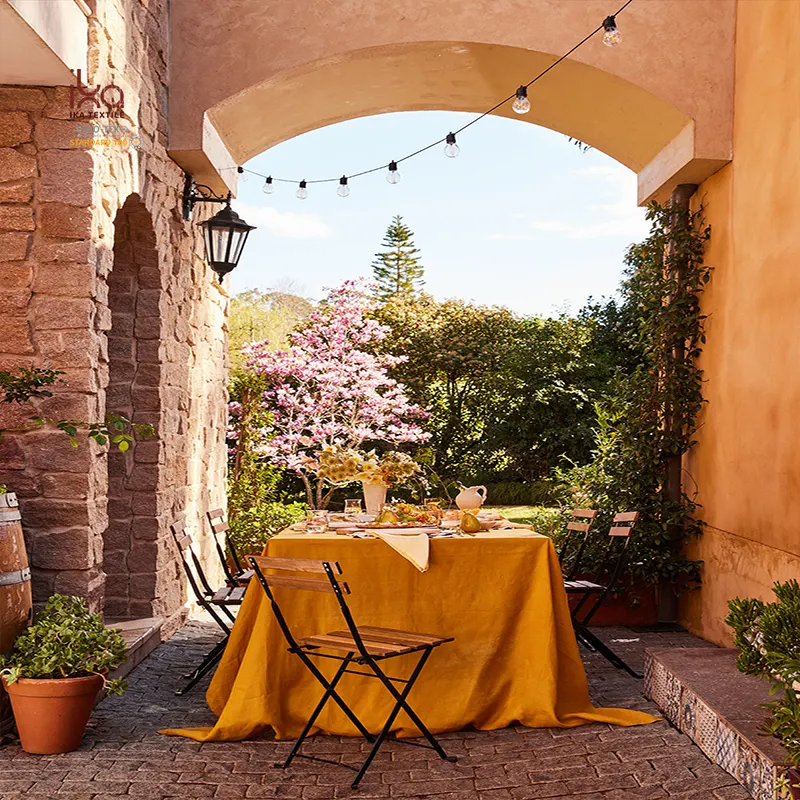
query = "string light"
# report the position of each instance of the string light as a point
(521, 103)
(611, 34)
(268, 187)
(451, 149)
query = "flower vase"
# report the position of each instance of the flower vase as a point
(374, 497)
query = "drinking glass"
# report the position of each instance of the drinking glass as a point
(352, 507)
(433, 505)
(316, 521)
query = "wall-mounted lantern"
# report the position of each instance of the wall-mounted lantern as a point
(224, 234)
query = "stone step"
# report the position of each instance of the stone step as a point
(142, 637)
(700, 691)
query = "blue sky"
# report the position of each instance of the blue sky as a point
(520, 218)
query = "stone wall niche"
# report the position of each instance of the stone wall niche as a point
(132, 541)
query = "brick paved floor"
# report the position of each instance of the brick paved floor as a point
(122, 756)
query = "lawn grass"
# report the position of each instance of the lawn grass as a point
(545, 520)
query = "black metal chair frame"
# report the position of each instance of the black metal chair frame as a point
(219, 529)
(587, 515)
(214, 602)
(611, 567)
(359, 656)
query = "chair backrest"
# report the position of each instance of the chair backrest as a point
(619, 537)
(318, 576)
(196, 575)
(573, 528)
(191, 563)
(219, 527)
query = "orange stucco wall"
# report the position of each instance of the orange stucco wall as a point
(747, 461)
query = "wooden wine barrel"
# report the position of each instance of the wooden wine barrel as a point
(15, 588)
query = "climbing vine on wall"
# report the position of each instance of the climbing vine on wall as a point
(650, 416)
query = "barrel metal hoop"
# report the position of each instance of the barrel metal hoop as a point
(12, 578)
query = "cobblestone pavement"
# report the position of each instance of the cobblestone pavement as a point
(123, 756)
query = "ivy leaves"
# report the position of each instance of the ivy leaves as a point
(650, 415)
(26, 385)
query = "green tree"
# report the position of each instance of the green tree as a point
(256, 316)
(398, 271)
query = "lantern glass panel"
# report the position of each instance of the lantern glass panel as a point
(220, 236)
(239, 238)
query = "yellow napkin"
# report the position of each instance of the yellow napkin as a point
(415, 549)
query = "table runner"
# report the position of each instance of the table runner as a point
(500, 594)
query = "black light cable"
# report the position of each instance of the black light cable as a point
(521, 105)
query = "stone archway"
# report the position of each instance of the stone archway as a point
(131, 543)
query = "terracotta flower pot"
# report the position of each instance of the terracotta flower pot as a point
(51, 715)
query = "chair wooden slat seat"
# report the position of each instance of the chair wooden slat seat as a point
(379, 642)
(229, 595)
(582, 586)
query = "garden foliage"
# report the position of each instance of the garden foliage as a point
(768, 637)
(649, 414)
(66, 640)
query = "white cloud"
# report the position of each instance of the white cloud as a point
(619, 217)
(286, 224)
(551, 226)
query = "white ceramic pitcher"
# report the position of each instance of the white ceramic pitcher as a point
(471, 498)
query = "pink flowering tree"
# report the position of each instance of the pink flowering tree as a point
(329, 389)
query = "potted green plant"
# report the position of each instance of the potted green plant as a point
(768, 637)
(56, 669)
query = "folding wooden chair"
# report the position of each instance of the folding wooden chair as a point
(366, 646)
(570, 553)
(219, 528)
(592, 594)
(215, 601)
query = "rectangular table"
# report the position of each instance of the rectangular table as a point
(500, 594)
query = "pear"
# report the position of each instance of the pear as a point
(470, 523)
(387, 516)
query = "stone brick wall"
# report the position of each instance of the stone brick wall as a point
(102, 278)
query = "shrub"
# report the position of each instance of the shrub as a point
(768, 636)
(66, 640)
(254, 525)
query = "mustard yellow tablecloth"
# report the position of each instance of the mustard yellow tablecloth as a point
(500, 594)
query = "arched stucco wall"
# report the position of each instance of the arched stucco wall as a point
(660, 103)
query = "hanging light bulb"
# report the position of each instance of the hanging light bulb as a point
(268, 187)
(302, 192)
(611, 34)
(393, 176)
(343, 189)
(451, 149)
(521, 103)
(242, 174)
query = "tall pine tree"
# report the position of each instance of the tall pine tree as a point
(398, 271)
